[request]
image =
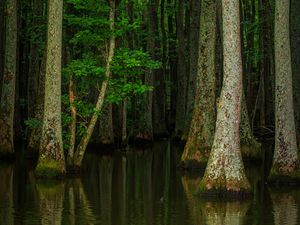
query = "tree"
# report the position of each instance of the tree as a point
(224, 172)
(202, 129)
(7, 102)
(285, 160)
(51, 161)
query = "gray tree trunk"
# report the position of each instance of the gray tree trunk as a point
(225, 173)
(51, 161)
(199, 142)
(7, 102)
(285, 160)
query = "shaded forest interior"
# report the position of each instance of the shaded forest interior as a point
(219, 76)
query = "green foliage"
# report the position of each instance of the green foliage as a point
(33, 123)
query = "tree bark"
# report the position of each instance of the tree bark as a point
(197, 148)
(224, 172)
(7, 102)
(285, 160)
(51, 161)
(181, 72)
(106, 131)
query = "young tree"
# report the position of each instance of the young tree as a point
(51, 161)
(7, 102)
(286, 160)
(225, 173)
(202, 129)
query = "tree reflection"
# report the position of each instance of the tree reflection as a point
(285, 207)
(6, 194)
(212, 211)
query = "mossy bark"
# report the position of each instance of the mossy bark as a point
(7, 102)
(295, 55)
(199, 142)
(225, 172)
(106, 132)
(251, 149)
(51, 163)
(286, 160)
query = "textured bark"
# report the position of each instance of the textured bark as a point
(106, 132)
(81, 148)
(285, 160)
(51, 161)
(196, 151)
(2, 32)
(193, 71)
(295, 54)
(33, 70)
(35, 135)
(120, 122)
(7, 102)
(159, 97)
(181, 72)
(72, 127)
(51, 199)
(250, 148)
(224, 172)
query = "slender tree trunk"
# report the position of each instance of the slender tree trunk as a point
(7, 102)
(196, 151)
(51, 161)
(295, 54)
(2, 32)
(194, 54)
(285, 161)
(181, 72)
(224, 172)
(81, 148)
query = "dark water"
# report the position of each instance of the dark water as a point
(136, 188)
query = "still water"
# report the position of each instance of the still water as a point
(139, 187)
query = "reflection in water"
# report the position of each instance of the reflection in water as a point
(6, 194)
(212, 212)
(139, 187)
(285, 207)
(51, 195)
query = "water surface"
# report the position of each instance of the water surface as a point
(139, 187)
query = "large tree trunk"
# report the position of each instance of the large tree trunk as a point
(7, 102)
(51, 158)
(2, 32)
(225, 173)
(286, 161)
(295, 54)
(201, 134)
(106, 132)
(193, 71)
(81, 148)
(181, 73)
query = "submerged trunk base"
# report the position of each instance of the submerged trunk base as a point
(251, 150)
(50, 169)
(195, 158)
(277, 177)
(224, 188)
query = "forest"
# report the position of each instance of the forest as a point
(117, 90)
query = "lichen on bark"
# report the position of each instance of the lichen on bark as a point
(285, 165)
(51, 163)
(224, 174)
(199, 142)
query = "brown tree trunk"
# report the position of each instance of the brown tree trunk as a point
(286, 160)
(106, 132)
(224, 172)
(7, 102)
(51, 163)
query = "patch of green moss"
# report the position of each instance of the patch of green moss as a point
(251, 151)
(50, 169)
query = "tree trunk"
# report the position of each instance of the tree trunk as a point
(224, 172)
(51, 158)
(295, 54)
(7, 102)
(194, 54)
(81, 148)
(285, 161)
(181, 72)
(2, 32)
(201, 134)
(106, 132)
